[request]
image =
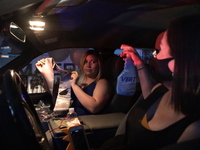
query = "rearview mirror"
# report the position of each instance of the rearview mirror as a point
(17, 32)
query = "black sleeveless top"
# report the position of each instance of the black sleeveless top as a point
(138, 137)
(78, 107)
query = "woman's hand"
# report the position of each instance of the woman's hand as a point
(74, 77)
(39, 65)
(130, 52)
(46, 69)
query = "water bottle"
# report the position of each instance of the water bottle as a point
(126, 81)
(72, 118)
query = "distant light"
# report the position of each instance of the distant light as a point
(4, 56)
(37, 25)
(5, 48)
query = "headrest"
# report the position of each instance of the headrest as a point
(114, 67)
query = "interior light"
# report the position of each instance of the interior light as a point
(37, 25)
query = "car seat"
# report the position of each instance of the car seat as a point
(118, 103)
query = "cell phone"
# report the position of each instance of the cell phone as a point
(118, 51)
(78, 138)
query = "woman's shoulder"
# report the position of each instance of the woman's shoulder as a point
(102, 81)
(155, 86)
(191, 132)
(195, 126)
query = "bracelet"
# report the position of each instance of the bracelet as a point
(141, 68)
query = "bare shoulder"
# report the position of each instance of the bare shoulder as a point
(191, 132)
(103, 84)
(102, 81)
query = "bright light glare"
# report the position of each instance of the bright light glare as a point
(35, 28)
(37, 25)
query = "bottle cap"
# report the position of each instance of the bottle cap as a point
(118, 51)
(71, 110)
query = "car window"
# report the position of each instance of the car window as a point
(7, 53)
(65, 59)
(5, 59)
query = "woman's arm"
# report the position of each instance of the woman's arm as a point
(146, 80)
(46, 69)
(96, 102)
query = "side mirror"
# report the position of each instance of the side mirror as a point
(17, 32)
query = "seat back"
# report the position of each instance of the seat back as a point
(118, 103)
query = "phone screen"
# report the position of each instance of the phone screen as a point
(79, 138)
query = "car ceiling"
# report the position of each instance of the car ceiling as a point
(103, 24)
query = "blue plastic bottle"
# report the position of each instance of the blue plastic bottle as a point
(126, 81)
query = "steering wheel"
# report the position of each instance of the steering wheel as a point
(22, 126)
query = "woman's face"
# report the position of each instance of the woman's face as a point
(162, 61)
(165, 51)
(91, 66)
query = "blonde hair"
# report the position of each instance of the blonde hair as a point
(82, 62)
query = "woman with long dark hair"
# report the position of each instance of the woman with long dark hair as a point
(168, 114)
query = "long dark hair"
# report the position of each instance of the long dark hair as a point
(184, 40)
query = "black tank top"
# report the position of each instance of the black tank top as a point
(140, 138)
(78, 107)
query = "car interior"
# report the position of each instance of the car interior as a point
(64, 30)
